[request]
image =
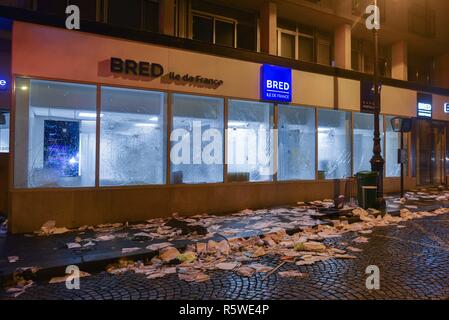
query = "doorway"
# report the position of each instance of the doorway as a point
(430, 152)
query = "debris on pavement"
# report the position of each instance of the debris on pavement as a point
(63, 279)
(20, 288)
(353, 249)
(169, 254)
(238, 242)
(49, 228)
(159, 246)
(13, 259)
(292, 274)
(130, 250)
(73, 245)
(227, 266)
(361, 240)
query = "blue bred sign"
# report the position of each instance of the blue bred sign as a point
(276, 83)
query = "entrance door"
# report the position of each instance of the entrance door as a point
(430, 151)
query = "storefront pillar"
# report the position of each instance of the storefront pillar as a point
(343, 46)
(268, 28)
(399, 58)
(167, 17)
(442, 71)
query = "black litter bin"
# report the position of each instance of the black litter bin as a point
(367, 189)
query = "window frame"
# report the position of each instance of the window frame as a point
(298, 33)
(103, 15)
(168, 126)
(214, 18)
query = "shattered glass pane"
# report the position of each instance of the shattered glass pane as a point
(363, 140)
(133, 139)
(196, 153)
(296, 143)
(251, 141)
(334, 144)
(55, 134)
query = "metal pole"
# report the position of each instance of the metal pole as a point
(402, 165)
(377, 162)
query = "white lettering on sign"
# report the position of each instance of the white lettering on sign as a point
(278, 85)
(424, 110)
(2, 83)
(425, 106)
(446, 108)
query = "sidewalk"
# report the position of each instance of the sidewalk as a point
(92, 249)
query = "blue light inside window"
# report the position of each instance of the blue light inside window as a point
(276, 83)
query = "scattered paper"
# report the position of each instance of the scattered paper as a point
(130, 250)
(227, 266)
(292, 274)
(159, 246)
(13, 259)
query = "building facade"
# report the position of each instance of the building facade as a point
(210, 106)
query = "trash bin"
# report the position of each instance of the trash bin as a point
(369, 200)
(366, 197)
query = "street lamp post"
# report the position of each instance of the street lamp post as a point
(377, 162)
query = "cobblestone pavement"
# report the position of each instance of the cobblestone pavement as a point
(413, 261)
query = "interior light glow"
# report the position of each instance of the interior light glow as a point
(89, 115)
(239, 124)
(146, 125)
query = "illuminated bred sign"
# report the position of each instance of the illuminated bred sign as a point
(3, 84)
(424, 106)
(276, 83)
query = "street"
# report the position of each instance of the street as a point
(413, 262)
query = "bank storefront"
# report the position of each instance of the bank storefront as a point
(107, 130)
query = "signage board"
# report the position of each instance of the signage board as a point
(424, 106)
(275, 83)
(368, 102)
(446, 107)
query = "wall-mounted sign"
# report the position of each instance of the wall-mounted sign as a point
(446, 107)
(131, 68)
(3, 84)
(198, 81)
(275, 83)
(367, 97)
(424, 106)
(136, 68)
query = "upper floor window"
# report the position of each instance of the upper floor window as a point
(420, 69)
(421, 19)
(88, 8)
(362, 58)
(25, 4)
(134, 14)
(304, 43)
(222, 26)
(214, 30)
